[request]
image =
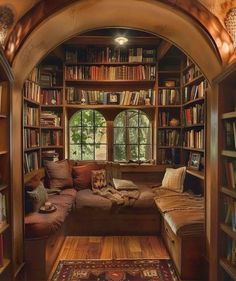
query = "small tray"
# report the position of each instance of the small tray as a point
(44, 211)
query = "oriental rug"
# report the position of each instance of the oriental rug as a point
(115, 270)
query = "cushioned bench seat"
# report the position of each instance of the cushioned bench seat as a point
(38, 225)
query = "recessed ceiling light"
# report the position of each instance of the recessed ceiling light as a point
(121, 40)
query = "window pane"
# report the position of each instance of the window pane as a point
(132, 118)
(87, 118)
(88, 152)
(99, 120)
(119, 153)
(143, 120)
(132, 136)
(75, 135)
(100, 152)
(120, 120)
(144, 135)
(75, 152)
(132, 152)
(87, 135)
(145, 152)
(76, 119)
(100, 135)
(119, 135)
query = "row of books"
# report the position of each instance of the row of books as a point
(230, 135)
(139, 72)
(109, 55)
(168, 138)
(34, 75)
(230, 172)
(31, 116)
(194, 115)
(51, 97)
(3, 209)
(168, 97)
(76, 95)
(164, 118)
(191, 74)
(170, 156)
(51, 138)
(231, 253)
(194, 139)
(50, 119)
(31, 91)
(31, 138)
(31, 161)
(194, 92)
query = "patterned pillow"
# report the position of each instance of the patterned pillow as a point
(98, 179)
(174, 179)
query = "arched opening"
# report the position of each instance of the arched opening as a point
(147, 15)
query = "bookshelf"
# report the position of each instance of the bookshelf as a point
(226, 222)
(6, 80)
(194, 92)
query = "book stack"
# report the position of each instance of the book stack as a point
(51, 138)
(230, 171)
(31, 162)
(168, 97)
(194, 139)
(50, 155)
(191, 74)
(163, 118)
(195, 91)
(31, 90)
(31, 138)
(194, 115)
(51, 97)
(230, 135)
(168, 137)
(31, 116)
(50, 119)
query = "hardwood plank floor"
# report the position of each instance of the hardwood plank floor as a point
(112, 247)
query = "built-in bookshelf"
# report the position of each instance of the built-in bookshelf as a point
(226, 254)
(194, 92)
(6, 80)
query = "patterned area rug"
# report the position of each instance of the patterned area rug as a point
(114, 270)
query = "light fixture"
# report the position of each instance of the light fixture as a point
(121, 40)
(230, 22)
(6, 20)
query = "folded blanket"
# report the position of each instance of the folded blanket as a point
(123, 197)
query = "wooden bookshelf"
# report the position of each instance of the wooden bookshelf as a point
(226, 197)
(6, 80)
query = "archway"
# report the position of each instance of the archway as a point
(148, 15)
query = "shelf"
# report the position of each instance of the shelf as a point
(3, 152)
(169, 72)
(52, 146)
(228, 191)
(3, 227)
(228, 153)
(6, 262)
(168, 146)
(51, 87)
(52, 128)
(31, 101)
(31, 148)
(194, 81)
(113, 82)
(229, 115)
(31, 127)
(195, 173)
(198, 100)
(110, 63)
(3, 187)
(51, 105)
(228, 267)
(193, 125)
(228, 230)
(169, 106)
(165, 87)
(107, 106)
(169, 127)
(3, 116)
(193, 149)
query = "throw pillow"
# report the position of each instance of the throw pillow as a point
(33, 182)
(59, 174)
(124, 184)
(35, 198)
(82, 175)
(99, 179)
(174, 179)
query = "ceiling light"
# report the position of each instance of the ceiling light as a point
(121, 40)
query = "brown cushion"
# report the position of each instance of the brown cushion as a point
(82, 175)
(174, 179)
(59, 174)
(98, 179)
(33, 182)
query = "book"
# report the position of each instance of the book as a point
(0, 99)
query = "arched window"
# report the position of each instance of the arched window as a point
(87, 136)
(132, 136)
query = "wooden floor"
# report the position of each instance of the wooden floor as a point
(112, 247)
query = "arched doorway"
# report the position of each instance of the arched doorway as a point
(149, 15)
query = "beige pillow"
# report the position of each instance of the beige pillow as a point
(124, 184)
(174, 179)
